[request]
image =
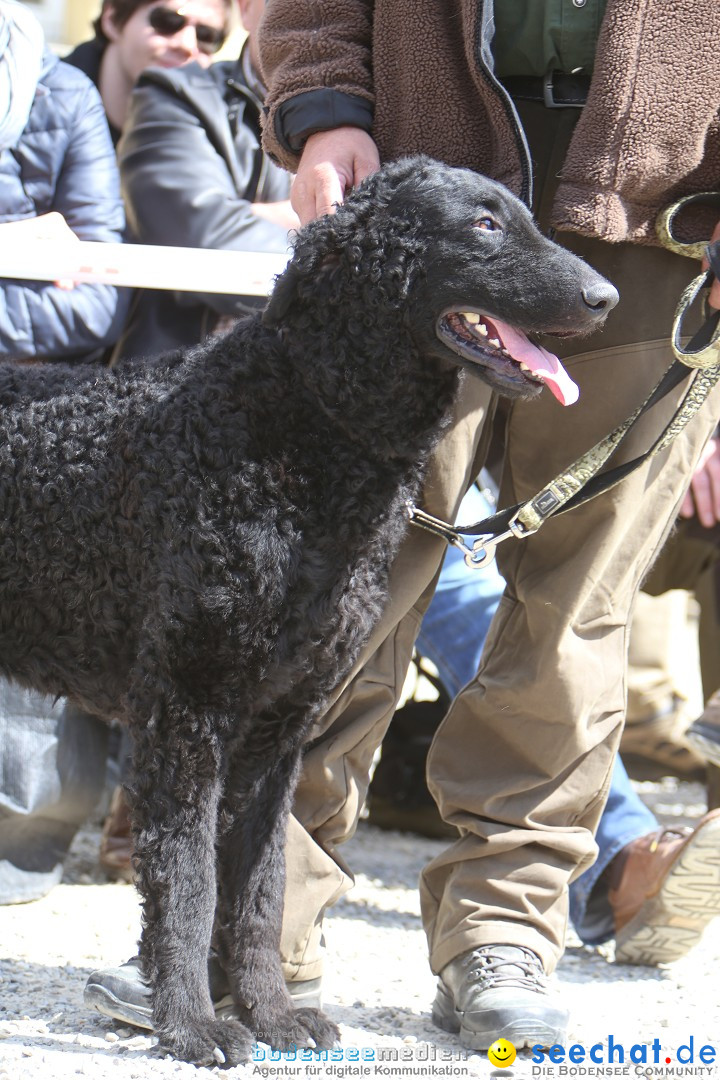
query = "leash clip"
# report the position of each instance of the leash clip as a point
(482, 552)
(479, 555)
(487, 543)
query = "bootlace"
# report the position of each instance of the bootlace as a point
(490, 968)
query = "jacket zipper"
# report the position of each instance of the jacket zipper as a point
(483, 18)
(259, 175)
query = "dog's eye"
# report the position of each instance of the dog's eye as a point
(485, 224)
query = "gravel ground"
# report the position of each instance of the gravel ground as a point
(378, 987)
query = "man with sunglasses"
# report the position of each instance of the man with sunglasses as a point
(194, 174)
(132, 35)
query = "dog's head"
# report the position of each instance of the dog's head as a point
(463, 263)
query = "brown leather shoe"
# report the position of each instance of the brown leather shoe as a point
(664, 889)
(656, 746)
(116, 843)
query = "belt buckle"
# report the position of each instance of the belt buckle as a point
(549, 97)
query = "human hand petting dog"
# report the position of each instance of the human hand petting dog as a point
(332, 163)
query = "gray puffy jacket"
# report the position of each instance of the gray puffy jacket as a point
(64, 161)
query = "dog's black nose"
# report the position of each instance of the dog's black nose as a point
(600, 296)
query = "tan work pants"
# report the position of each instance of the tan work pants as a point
(658, 672)
(523, 760)
(688, 561)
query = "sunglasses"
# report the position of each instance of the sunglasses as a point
(167, 22)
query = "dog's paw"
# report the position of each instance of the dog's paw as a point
(320, 1027)
(301, 1028)
(211, 1042)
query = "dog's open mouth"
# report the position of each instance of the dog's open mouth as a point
(507, 352)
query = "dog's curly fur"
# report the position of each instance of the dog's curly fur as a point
(199, 545)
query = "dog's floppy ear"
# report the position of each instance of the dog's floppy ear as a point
(313, 270)
(282, 296)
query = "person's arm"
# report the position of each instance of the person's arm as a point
(47, 321)
(703, 495)
(318, 65)
(281, 213)
(714, 297)
(178, 186)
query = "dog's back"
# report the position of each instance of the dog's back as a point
(163, 502)
(84, 506)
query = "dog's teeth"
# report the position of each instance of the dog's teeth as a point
(494, 341)
(483, 329)
(471, 317)
(218, 1055)
(524, 367)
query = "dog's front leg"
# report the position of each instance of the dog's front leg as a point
(251, 879)
(174, 795)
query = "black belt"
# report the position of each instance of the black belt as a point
(556, 90)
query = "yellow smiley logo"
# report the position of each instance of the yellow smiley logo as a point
(502, 1053)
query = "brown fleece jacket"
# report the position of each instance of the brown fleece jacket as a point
(412, 59)
(650, 131)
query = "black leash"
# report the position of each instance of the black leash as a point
(582, 481)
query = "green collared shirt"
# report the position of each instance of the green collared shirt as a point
(534, 36)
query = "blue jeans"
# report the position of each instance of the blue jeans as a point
(452, 635)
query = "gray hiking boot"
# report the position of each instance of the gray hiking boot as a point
(499, 992)
(122, 994)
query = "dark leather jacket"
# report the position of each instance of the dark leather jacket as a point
(191, 164)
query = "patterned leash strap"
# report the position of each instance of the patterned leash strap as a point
(704, 349)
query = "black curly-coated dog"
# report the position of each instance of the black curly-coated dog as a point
(200, 544)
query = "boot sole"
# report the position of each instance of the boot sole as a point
(305, 995)
(104, 1001)
(669, 924)
(521, 1030)
(708, 748)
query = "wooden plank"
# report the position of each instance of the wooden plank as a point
(243, 273)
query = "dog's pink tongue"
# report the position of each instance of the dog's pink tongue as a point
(541, 362)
